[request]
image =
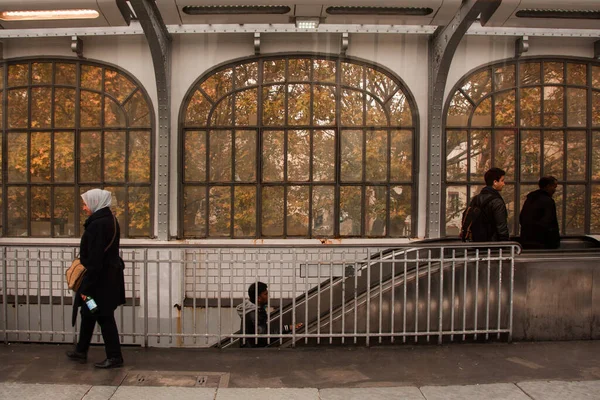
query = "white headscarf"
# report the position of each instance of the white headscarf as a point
(97, 199)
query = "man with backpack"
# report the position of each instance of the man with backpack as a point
(486, 218)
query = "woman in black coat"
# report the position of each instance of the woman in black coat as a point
(103, 281)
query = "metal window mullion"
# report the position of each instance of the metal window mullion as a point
(517, 147)
(77, 149)
(311, 183)
(3, 229)
(259, 146)
(286, 184)
(338, 152)
(388, 200)
(207, 183)
(589, 152)
(28, 177)
(232, 186)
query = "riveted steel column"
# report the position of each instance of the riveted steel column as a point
(442, 46)
(159, 41)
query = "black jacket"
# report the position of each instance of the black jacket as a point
(495, 214)
(103, 280)
(539, 223)
(257, 317)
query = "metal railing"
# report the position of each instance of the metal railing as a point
(187, 295)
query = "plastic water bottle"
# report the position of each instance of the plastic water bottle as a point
(90, 303)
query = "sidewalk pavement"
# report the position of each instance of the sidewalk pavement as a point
(550, 370)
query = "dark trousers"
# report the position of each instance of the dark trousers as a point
(110, 333)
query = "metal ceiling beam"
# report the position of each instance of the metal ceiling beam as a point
(443, 45)
(160, 44)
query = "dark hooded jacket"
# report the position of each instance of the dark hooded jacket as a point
(539, 223)
(495, 214)
(103, 280)
(256, 317)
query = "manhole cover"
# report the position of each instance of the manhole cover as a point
(177, 378)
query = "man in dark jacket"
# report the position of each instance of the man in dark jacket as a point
(494, 210)
(539, 223)
(253, 314)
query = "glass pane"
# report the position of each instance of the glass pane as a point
(576, 156)
(324, 71)
(459, 111)
(352, 108)
(530, 155)
(40, 211)
(530, 73)
(375, 113)
(194, 164)
(324, 103)
(531, 107)
(478, 85)
(400, 211)
(575, 221)
(375, 211)
(274, 71)
(553, 72)
(66, 74)
(64, 157)
(90, 109)
(577, 74)
(244, 219)
(322, 210)
(246, 75)
(350, 211)
(1, 83)
(380, 85)
(559, 200)
(508, 194)
(194, 209)
(400, 111)
(91, 77)
(596, 77)
(505, 109)
(504, 77)
(117, 85)
(576, 107)
(223, 113)
(456, 156)
(16, 211)
(90, 156)
(64, 108)
(219, 212)
(352, 156)
(18, 75)
(456, 203)
(245, 156)
(273, 156)
(246, 111)
(596, 108)
(297, 210)
(299, 69)
(553, 154)
(40, 154)
(272, 211)
(352, 75)
(481, 154)
(41, 107)
(220, 156)
(298, 158)
(401, 156)
(139, 211)
(119, 205)
(273, 105)
(218, 84)
(525, 190)
(64, 211)
(41, 73)
(324, 155)
(299, 104)
(114, 149)
(504, 153)
(595, 210)
(197, 110)
(483, 114)
(139, 157)
(17, 157)
(1, 165)
(17, 108)
(596, 155)
(113, 114)
(138, 111)
(553, 106)
(377, 160)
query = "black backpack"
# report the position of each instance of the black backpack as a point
(475, 226)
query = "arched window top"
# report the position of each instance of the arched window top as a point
(289, 91)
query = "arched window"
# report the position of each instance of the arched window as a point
(298, 146)
(532, 118)
(69, 126)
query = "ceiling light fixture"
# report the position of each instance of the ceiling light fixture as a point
(41, 15)
(307, 23)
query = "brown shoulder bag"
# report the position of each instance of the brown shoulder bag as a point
(76, 271)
